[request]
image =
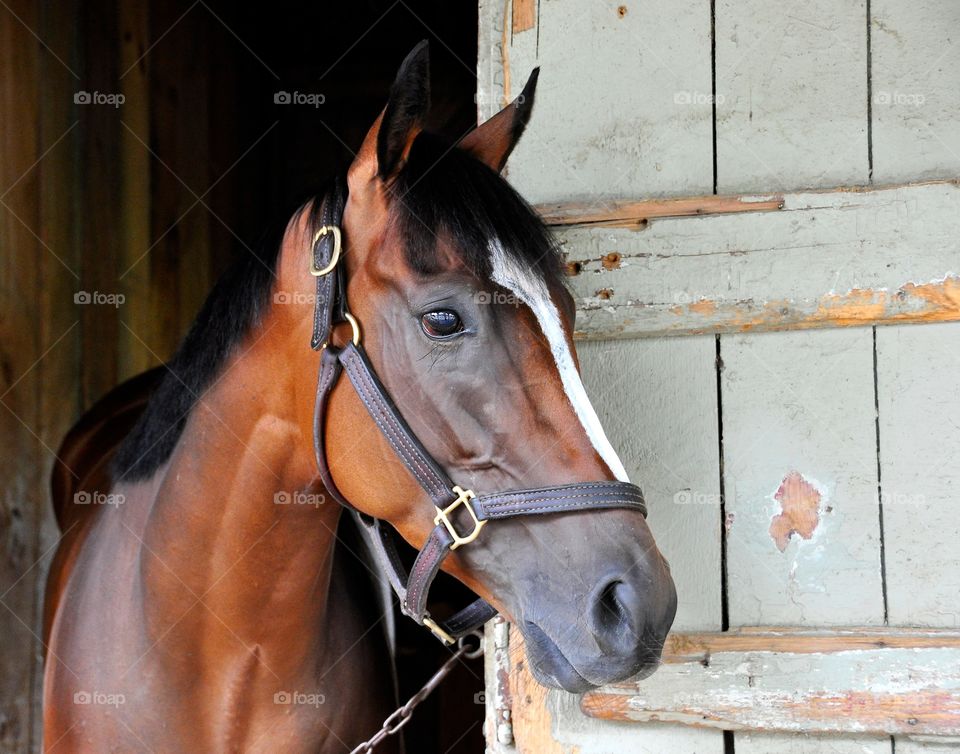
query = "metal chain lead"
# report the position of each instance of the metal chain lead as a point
(402, 716)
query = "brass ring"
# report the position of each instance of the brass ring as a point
(334, 258)
(354, 327)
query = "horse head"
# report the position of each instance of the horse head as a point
(457, 290)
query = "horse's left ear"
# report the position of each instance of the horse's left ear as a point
(494, 140)
(388, 142)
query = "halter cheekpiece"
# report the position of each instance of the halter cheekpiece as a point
(448, 498)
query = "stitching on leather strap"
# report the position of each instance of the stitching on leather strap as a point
(392, 429)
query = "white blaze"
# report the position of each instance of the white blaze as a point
(532, 291)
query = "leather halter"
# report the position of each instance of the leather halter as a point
(447, 497)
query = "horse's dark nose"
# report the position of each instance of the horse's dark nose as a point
(627, 618)
(615, 616)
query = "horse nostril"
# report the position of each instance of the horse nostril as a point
(614, 616)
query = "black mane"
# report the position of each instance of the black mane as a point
(444, 192)
(441, 191)
(236, 303)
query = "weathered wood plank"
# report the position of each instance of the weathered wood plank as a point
(179, 261)
(20, 347)
(490, 69)
(133, 213)
(752, 682)
(791, 85)
(98, 191)
(915, 70)
(825, 259)
(927, 745)
(747, 742)
(657, 402)
(58, 396)
(633, 214)
(524, 15)
(800, 479)
(646, 131)
(918, 384)
(801, 640)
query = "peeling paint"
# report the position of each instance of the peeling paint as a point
(611, 261)
(935, 301)
(800, 510)
(703, 307)
(876, 680)
(635, 214)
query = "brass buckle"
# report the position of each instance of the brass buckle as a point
(463, 496)
(437, 631)
(334, 258)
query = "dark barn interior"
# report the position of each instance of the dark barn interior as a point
(150, 199)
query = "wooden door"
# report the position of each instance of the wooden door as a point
(760, 212)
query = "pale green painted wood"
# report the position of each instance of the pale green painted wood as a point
(657, 400)
(918, 383)
(620, 113)
(801, 402)
(868, 682)
(623, 101)
(768, 266)
(928, 745)
(916, 133)
(792, 113)
(916, 78)
(803, 743)
(791, 94)
(489, 66)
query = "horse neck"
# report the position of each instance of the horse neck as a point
(231, 522)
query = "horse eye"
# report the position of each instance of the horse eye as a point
(441, 324)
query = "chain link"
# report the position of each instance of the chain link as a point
(402, 716)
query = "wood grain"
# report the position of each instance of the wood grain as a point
(20, 348)
(657, 402)
(635, 214)
(836, 683)
(918, 384)
(524, 15)
(136, 167)
(791, 84)
(832, 258)
(800, 406)
(633, 121)
(914, 71)
(58, 397)
(98, 190)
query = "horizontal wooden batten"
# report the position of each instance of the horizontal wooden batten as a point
(702, 265)
(631, 214)
(865, 681)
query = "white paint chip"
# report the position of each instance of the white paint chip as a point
(532, 291)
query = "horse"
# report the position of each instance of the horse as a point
(203, 596)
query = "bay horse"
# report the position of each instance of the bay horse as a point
(201, 598)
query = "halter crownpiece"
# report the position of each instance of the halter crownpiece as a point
(413, 588)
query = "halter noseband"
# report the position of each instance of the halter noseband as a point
(447, 497)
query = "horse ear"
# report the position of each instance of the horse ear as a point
(389, 139)
(494, 140)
